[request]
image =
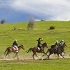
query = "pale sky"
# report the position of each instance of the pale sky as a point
(46, 9)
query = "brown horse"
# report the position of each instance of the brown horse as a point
(11, 49)
(36, 50)
(59, 50)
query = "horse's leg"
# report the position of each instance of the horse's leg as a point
(64, 53)
(33, 56)
(58, 55)
(61, 55)
(43, 55)
(48, 55)
(47, 51)
(7, 54)
(36, 55)
(16, 55)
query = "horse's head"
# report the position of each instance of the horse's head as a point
(44, 45)
(56, 44)
(64, 44)
(21, 46)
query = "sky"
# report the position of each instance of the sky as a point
(22, 10)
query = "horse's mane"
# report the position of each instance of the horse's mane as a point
(20, 46)
(44, 43)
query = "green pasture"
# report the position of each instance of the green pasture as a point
(61, 64)
(28, 39)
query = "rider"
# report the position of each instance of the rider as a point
(39, 45)
(61, 43)
(15, 45)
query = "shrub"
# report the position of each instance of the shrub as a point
(31, 24)
(52, 28)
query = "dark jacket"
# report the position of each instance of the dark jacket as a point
(61, 44)
(39, 43)
(15, 43)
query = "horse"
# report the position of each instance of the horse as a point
(36, 50)
(11, 49)
(55, 49)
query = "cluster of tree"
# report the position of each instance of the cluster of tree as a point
(2, 21)
(31, 23)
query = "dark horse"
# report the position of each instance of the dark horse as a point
(36, 50)
(11, 49)
(55, 49)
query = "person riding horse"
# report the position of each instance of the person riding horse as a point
(57, 44)
(39, 45)
(61, 43)
(15, 45)
(57, 51)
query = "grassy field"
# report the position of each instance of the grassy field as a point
(28, 38)
(61, 64)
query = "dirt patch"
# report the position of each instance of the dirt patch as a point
(36, 58)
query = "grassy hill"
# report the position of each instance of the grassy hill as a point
(29, 37)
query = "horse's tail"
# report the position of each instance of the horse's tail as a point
(30, 49)
(6, 51)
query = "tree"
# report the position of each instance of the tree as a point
(31, 23)
(2, 21)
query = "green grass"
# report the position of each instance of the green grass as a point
(61, 64)
(28, 38)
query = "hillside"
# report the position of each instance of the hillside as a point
(29, 37)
